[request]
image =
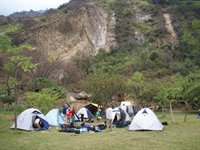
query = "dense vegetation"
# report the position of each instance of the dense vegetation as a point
(143, 71)
(154, 74)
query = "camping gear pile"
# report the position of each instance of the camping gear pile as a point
(83, 128)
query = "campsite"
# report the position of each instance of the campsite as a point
(177, 136)
(100, 75)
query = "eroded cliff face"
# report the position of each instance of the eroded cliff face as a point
(81, 31)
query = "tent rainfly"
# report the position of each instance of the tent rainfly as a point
(86, 112)
(26, 118)
(145, 119)
(55, 118)
(92, 107)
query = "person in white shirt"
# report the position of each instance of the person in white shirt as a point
(109, 118)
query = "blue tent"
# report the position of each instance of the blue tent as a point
(44, 123)
(54, 117)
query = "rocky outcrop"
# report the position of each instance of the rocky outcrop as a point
(70, 33)
(170, 29)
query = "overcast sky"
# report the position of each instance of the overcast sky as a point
(8, 7)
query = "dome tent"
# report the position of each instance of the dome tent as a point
(26, 118)
(54, 117)
(145, 119)
(86, 112)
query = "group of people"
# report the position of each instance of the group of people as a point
(69, 114)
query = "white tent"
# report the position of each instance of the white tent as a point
(145, 119)
(25, 119)
(86, 112)
(54, 117)
(116, 113)
(126, 103)
(128, 107)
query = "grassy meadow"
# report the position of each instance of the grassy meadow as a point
(177, 136)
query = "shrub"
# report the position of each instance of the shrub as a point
(58, 91)
(43, 101)
(5, 97)
(11, 107)
(39, 83)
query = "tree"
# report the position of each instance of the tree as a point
(103, 86)
(170, 92)
(174, 93)
(190, 91)
(14, 65)
(138, 87)
(161, 97)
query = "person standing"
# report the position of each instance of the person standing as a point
(109, 118)
(68, 116)
(122, 117)
(98, 117)
(64, 111)
(72, 115)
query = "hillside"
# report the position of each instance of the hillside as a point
(76, 30)
(149, 46)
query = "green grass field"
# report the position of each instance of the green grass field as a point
(177, 136)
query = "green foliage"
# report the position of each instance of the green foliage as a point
(7, 96)
(155, 33)
(13, 58)
(144, 27)
(190, 89)
(192, 94)
(137, 86)
(44, 101)
(107, 2)
(6, 46)
(103, 86)
(20, 62)
(170, 91)
(58, 91)
(11, 107)
(9, 28)
(117, 61)
(127, 12)
(145, 5)
(196, 27)
(40, 83)
(190, 45)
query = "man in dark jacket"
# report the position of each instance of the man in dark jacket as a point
(122, 117)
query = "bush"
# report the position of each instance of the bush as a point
(43, 101)
(40, 83)
(10, 107)
(6, 98)
(58, 91)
